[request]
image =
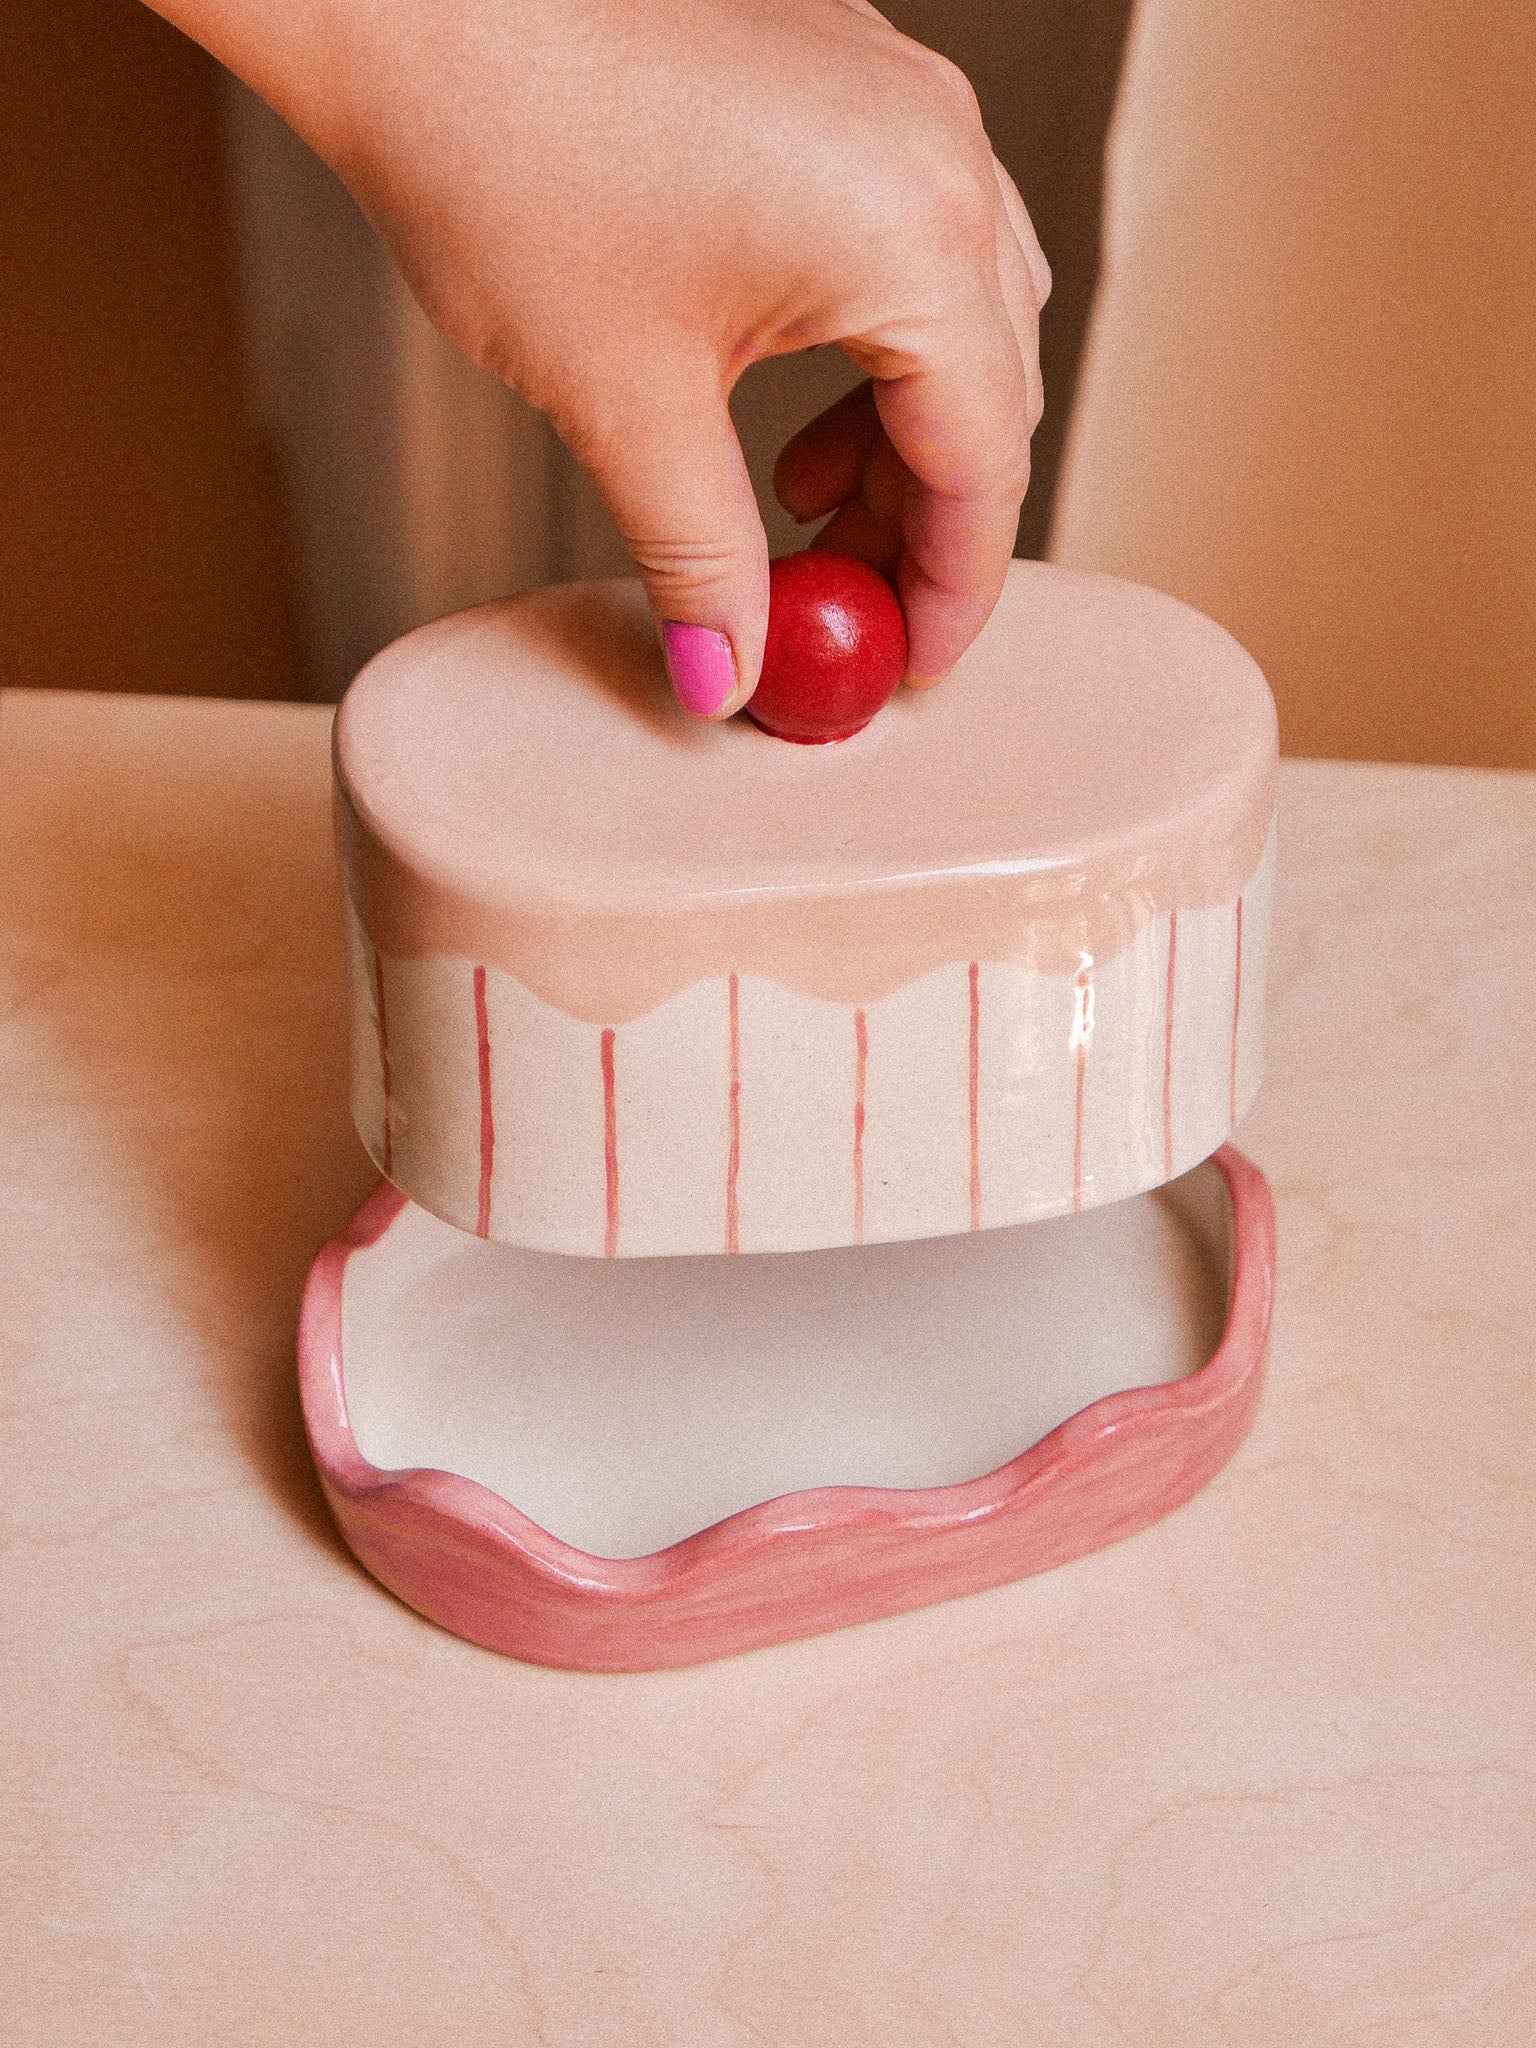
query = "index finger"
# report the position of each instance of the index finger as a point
(957, 411)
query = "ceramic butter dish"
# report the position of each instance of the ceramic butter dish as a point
(629, 984)
(948, 1023)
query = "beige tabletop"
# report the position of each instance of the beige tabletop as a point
(1265, 1773)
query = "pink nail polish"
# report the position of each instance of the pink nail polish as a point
(701, 665)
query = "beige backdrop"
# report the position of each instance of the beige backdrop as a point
(1307, 403)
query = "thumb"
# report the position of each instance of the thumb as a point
(672, 473)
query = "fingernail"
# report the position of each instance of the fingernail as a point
(701, 665)
(914, 682)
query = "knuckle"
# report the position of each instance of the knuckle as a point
(1006, 458)
(1015, 468)
(952, 80)
(1021, 415)
(952, 212)
(1035, 409)
(936, 184)
(1031, 401)
(678, 567)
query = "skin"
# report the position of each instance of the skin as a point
(617, 205)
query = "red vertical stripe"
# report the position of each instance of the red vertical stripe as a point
(733, 1158)
(1173, 955)
(1077, 1110)
(487, 1122)
(1237, 1009)
(860, 1072)
(389, 1092)
(975, 1095)
(610, 1149)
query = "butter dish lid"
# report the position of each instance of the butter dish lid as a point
(971, 905)
(523, 789)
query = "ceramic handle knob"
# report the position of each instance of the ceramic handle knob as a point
(626, 984)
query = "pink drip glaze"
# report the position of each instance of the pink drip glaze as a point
(516, 787)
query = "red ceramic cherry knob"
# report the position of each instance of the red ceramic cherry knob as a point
(836, 648)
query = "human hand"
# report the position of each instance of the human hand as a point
(617, 205)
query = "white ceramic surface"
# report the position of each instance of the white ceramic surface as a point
(624, 1407)
(750, 1118)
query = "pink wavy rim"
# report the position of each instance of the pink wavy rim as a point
(805, 1562)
